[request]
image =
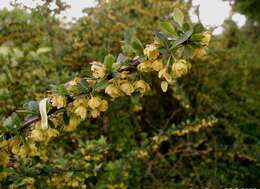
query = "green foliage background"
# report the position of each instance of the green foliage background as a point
(224, 84)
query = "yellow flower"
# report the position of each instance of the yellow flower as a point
(94, 102)
(37, 135)
(71, 86)
(58, 101)
(95, 113)
(157, 65)
(142, 87)
(113, 91)
(50, 133)
(151, 52)
(164, 86)
(81, 111)
(4, 159)
(127, 87)
(145, 66)
(23, 151)
(33, 150)
(206, 39)
(164, 73)
(137, 108)
(73, 123)
(98, 70)
(142, 154)
(80, 102)
(180, 68)
(28, 180)
(198, 53)
(103, 106)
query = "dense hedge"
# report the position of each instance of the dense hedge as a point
(31, 50)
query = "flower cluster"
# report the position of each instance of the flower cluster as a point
(123, 86)
(89, 107)
(166, 72)
(39, 135)
(58, 101)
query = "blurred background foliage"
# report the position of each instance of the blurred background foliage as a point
(31, 49)
(37, 51)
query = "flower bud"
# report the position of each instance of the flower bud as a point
(164, 86)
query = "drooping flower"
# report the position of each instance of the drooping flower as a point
(113, 91)
(94, 102)
(180, 68)
(151, 52)
(98, 70)
(142, 87)
(37, 135)
(81, 111)
(157, 65)
(145, 66)
(58, 101)
(73, 123)
(165, 74)
(127, 87)
(94, 113)
(103, 106)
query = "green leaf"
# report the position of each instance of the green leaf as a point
(109, 61)
(83, 86)
(62, 90)
(66, 117)
(12, 123)
(198, 28)
(182, 39)
(128, 49)
(167, 26)
(100, 85)
(137, 46)
(178, 16)
(196, 37)
(163, 38)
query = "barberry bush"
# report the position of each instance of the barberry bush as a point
(94, 132)
(151, 106)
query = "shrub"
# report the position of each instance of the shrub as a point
(98, 131)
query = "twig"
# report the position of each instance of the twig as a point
(55, 110)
